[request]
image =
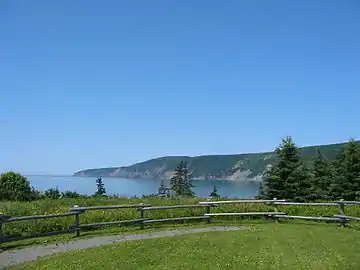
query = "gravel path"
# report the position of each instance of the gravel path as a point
(12, 257)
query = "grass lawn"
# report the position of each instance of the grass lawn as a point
(265, 246)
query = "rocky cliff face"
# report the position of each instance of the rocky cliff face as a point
(161, 173)
(227, 167)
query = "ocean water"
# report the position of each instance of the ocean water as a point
(138, 187)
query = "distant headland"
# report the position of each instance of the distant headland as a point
(238, 167)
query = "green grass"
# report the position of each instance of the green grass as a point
(266, 246)
(116, 230)
(62, 205)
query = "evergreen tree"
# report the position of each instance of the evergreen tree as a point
(181, 181)
(162, 189)
(346, 183)
(214, 193)
(272, 185)
(262, 191)
(289, 177)
(297, 185)
(321, 179)
(100, 187)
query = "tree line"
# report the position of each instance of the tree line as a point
(289, 178)
(292, 179)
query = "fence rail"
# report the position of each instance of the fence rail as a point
(175, 219)
(174, 207)
(132, 221)
(107, 207)
(347, 217)
(77, 211)
(246, 214)
(309, 218)
(347, 202)
(306, 204)
(240, 201)
(14, 219)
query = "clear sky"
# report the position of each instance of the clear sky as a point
(87, 84)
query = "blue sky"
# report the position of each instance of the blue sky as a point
(105, 83)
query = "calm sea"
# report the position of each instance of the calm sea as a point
(139, 187)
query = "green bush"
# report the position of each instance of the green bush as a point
(71, 194)
(52, 193)
(14, 186)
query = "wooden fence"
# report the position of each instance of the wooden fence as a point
(77, 211)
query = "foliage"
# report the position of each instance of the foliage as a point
(71, 194)
(297, 186)
(52, 193)
(289, 177)
(100, 187)
(346, 184)
(266, 246)
(214, 193)
(14, 186)
(322, 175)
(181, 182)
(163, 191)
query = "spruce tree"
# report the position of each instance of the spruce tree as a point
(272, 185)
(181, 181)
(162, 189)
(289, 177)
(297, 185)
(100, 187)
(214, 193)
(346, 183)
(321, 179)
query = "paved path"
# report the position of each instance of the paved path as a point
(16, 256)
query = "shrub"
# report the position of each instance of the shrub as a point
(71, 194)
(52, 193)
(14, 186)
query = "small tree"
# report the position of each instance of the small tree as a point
(162, 189)
(100, 187)
(181, 182)
(214, 193)
(14, 186)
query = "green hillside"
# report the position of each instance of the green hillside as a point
(224, 167)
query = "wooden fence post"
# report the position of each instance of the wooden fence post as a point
(2, 217)
(208, 212)
(77, 223)
(1, 233)
(342, 212)
(141, 216)
(342, 207)
(276, 210)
